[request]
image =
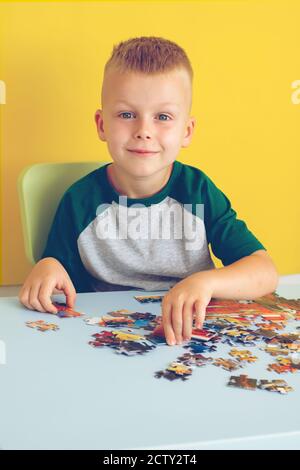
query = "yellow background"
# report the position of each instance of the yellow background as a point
(245, 56)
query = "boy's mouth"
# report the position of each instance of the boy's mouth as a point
(142, 152)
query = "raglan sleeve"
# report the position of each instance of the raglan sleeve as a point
(229, 237)
(62, 244)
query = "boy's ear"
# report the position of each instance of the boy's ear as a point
(190, 126)
(99, 124)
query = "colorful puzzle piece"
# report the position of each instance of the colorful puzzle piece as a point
(41, 325)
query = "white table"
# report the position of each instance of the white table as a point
(58, 392)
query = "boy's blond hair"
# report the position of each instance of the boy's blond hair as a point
(151, 55)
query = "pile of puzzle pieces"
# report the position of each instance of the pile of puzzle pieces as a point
(239, 324)
(247, 323)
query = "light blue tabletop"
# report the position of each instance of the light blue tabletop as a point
(58, 392)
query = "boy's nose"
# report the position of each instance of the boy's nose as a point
(143, 132)
(143, 135)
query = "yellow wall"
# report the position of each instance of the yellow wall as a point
(245, 57)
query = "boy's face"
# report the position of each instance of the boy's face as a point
(145, 112)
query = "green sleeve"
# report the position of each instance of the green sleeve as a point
(229, 237)
(62, 244)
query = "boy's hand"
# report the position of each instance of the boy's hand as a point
(46, 276)
(187, 299)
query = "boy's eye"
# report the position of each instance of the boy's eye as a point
(122, 114)
(165, 116)
(127, 113)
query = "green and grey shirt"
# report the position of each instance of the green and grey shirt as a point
(106, 241)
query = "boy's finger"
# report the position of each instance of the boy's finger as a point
(187, 320)
(70, 294)
(166, 320)
(24, 297)
(45, 297)
(177, 321)
(200, 310)
(34, 298)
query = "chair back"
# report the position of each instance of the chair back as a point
(40, 189)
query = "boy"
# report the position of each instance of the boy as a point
(101, 238)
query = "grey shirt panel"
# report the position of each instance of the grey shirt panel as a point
(155, 248)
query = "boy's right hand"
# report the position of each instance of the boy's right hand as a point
(47, 276)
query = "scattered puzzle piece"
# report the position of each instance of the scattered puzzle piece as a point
(123, 342)
(242, 381)
(42, 326)
(243, 355)
(63, 311)
(121, 318)
(175, 371)
(279, 386)
(285, 365)
(148, 298)
(227, 364)
(190, 359)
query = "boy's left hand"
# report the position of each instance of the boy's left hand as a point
(186, 300)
